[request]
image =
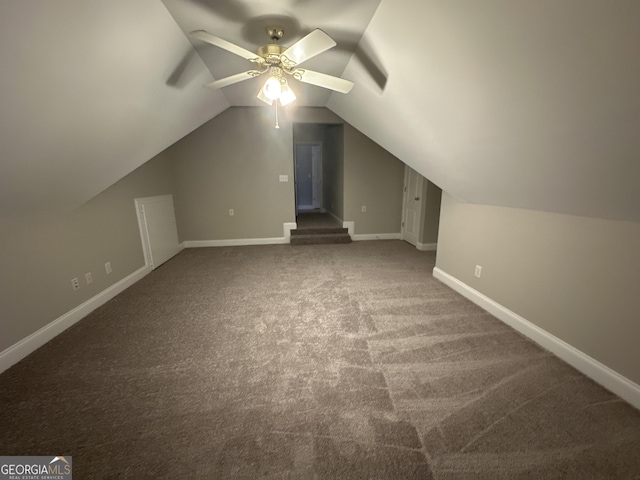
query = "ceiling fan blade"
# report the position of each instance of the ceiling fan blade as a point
(323, 80)
(219, 42)
(238, 77)
(310, 46)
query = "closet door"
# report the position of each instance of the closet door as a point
(157, 220)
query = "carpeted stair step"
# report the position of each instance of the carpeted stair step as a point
(319, 238)
(319, 230)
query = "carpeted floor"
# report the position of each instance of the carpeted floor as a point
(327, 362)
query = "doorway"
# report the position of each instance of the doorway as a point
(412, 206)
(420, 211)
(318, 165)
(308, 176)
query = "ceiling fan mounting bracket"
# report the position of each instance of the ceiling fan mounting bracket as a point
(275, 33)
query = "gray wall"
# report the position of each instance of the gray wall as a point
(309, 132)
(374, 178)
(333, 170)
(578, 278)
(40, 255)
(234, 161)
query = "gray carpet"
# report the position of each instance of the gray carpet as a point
(317, 228)
(327, 362)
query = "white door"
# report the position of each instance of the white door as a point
(412, 208)
(157, 220)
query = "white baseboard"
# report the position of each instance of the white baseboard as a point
(350, 226)
(605, 376)
(427, 247)
(240, 242)
(236, 242)
(375, 236)
(287, 227)
(28, 345)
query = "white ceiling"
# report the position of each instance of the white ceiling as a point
(84, 98)
(245, 23)
(513, 103)
(529, 104)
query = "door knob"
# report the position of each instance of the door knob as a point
(417, 198)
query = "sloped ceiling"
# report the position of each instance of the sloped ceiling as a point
(245, 23)
(531, 104)
(87, 96)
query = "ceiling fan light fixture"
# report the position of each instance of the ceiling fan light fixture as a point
(272, 88)
(262, 97)
(287, 96)
(279, 62)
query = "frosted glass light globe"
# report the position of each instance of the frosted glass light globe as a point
(272, 88)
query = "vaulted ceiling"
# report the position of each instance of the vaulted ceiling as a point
(514, 103)
(245, 23)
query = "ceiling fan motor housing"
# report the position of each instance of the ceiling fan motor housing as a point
(271, 53)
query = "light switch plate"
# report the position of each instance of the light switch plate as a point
(284, 178)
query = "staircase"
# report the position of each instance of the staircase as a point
(318, 229)
(319, 236)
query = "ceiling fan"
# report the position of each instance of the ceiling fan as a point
(279, 62)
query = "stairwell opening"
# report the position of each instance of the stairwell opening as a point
(319, 183)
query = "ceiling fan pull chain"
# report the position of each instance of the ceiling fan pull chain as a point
(277, 124)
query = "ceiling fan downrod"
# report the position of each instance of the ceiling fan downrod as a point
(271, 52)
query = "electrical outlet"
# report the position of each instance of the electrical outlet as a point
(75, 283)
(107, 268)
(89, 278)
(364, 209)
(231, 212)
(478, 271)
(284, 178)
